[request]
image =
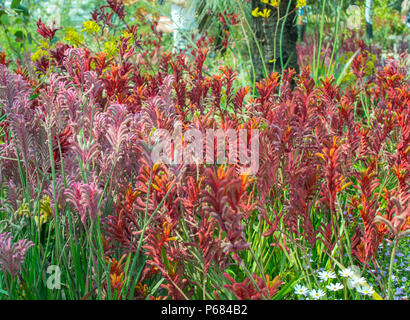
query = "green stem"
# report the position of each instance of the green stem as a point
(254, 39)
(393, 253)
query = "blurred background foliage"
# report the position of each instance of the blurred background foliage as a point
(233, 42)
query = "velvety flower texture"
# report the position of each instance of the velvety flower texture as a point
(12, 254)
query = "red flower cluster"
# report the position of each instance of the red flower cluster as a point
(323, 153)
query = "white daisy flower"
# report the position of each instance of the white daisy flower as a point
(366, 290)
(326, 275)
(317, 294)
(301, 290)
(345, 273)
(335, 286)
(356, 281)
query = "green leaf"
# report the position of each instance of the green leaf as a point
(285, 290)
(24, 10)
(15, 4)
(34, 96)
(346, 67)
(155, 288)
(4, 18)
(19, 35)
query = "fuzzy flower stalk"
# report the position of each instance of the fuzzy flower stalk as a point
(12, 254)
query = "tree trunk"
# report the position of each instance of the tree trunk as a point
(270, 56)
(369, 18)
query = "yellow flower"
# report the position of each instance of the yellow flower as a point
(275, 3)
(42, 51)
(300, 3)
(42, 216)
(45, 210)
(265, 13)
(23, 211)
(127, 34)
(110, 48)
(255, 12)
(36, 56)
(130, 37)
(73, 36)
(91, 27)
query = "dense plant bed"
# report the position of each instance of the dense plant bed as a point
(323, 213)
